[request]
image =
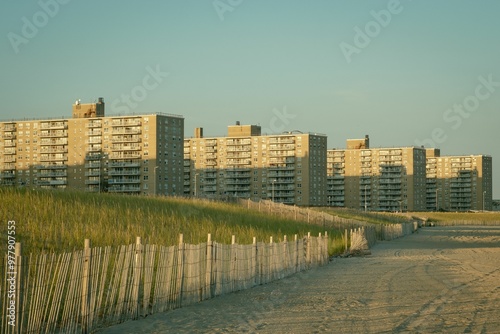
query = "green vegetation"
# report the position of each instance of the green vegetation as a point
(59, 221)
(459, 216)
(370, 217)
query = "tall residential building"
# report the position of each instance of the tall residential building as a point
(137, 154)
(377, 179)
(287, 168)
(458, 183)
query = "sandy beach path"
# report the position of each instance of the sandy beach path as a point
(441, 279)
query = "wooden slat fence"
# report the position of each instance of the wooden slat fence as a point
(301, 214)
(85, 290)
(366, 237)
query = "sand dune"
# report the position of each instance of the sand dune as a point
(441, 279)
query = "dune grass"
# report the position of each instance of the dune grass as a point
(59, 221)
(459, 216)
(369, 217)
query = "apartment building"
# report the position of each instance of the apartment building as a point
(136, 154)
(458, 183)
(376, 179)
(287, 168)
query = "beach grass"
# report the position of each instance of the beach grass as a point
(59, 221)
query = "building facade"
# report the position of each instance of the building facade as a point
(287, 168)
(136, 154)
(458, 183)
(376, 179)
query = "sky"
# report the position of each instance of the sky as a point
(406, 73)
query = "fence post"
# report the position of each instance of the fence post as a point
(308, 249)
(326, 246)
(86, 286)
(137, 277)
(346, 241)
(19, 299)
(232, 272)
(296, 251)
(180, 266)
(256, 280)
(208, 275)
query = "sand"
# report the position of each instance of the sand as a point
(441, 279)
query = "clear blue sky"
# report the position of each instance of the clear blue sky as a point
(252, 60)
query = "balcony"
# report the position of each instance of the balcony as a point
(93, 124)
(282, 140)
(53, 174)
(126, 122)
(94, 140)
(282, 147)
(237, 188)
(238, 162)
(231, 155)
(53, 133)
(284, 187)
(52, 182)
(53, 157)
(9, 136)
(277, 167)
(52, 166)
(49, 142)
(126, 148)
(125, 164)
(239, 170)
(90, 157)
(127, 155)
(53, 125)
(126, 139)
(234, 174)
(281, 174)
(239, 148)
(7, 175)
(287, 180)
(54, 149)
(388, 180)
(124, 181)
(238, 142)
(9, 151)
(126, 131)
(9, 143)
(124, 189)
(134, 172)
(9, 127)
(210, 142)
(237, 181)
(282, 193)
(94, 133)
